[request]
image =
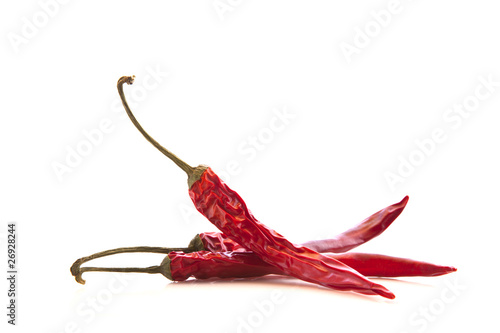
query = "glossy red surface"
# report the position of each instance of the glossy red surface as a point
(387, 266)
(228, 212)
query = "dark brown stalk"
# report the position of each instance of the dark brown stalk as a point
(77, 270)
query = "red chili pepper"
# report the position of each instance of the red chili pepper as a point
(179, 266)
(363, 232)
(228, 212)
(368, 229)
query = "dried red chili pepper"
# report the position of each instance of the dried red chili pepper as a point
(366, 230)
(361, 233)
(225, 208)
(179, 266)
(228, 212)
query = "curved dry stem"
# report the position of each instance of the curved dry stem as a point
(77, 271)
(183, 165)
(149, 270)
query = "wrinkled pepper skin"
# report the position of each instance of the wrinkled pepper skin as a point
(361, 233)
(206, 265)
(368, 229)
(215, 242)
(228, 212)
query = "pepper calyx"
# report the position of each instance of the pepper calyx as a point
(196, 174)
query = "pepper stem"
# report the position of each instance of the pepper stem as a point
(180, 163)
(77, 271)
(149, 270)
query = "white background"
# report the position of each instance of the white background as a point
(353, 118)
